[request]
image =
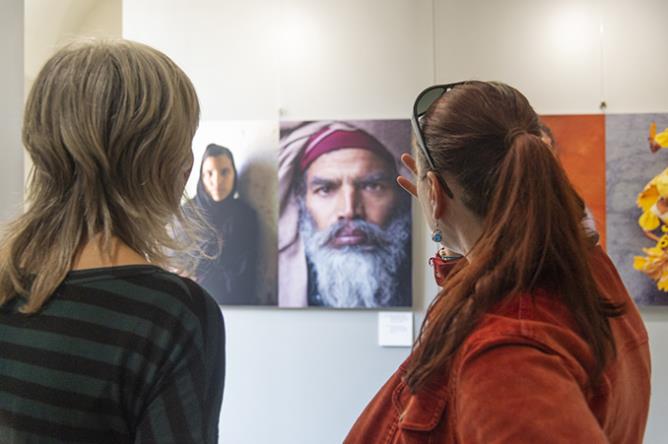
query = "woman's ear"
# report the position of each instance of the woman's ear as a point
(437, 197)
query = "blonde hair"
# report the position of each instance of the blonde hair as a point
(109, 128)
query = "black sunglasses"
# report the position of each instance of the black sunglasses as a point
(423, 102)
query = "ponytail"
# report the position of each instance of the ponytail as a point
(532, 238)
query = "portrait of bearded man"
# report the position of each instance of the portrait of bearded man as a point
(344, 223)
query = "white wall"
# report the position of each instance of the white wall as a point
(566, 56)
(353, 60)
(228, 48)
(11, 91)
(548, 50)
(635, 65)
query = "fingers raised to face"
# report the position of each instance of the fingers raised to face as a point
(409, 161)
(404, 182)
(407, 185)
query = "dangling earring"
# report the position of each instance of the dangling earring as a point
(437, 236)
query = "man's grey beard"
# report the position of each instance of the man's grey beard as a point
(361, 275)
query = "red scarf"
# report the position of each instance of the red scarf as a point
(443, 265)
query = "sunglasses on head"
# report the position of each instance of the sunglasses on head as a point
(423, 102)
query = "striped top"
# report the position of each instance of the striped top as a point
(129, 354)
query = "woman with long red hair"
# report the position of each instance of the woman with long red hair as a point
(533, 337)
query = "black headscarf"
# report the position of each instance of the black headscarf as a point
(203, 198)
(230, 276)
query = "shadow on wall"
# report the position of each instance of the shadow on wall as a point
(258, 182)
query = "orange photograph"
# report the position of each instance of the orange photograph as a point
(580, 145)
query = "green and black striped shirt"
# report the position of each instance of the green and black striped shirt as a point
(130, 354)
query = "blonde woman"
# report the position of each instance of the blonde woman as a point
(98, 343)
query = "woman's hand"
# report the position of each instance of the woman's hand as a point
(404, 182)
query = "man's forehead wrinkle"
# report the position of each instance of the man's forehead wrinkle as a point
(316, 180)
(341, 175)
(374, 176)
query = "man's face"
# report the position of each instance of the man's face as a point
(346, 185)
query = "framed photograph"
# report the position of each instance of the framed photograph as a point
(344, 230)
(637, 215)
(233, 187)
(579, 142)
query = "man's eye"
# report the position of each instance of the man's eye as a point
(374, 186)
(322, 190)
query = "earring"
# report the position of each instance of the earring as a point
(436, 236)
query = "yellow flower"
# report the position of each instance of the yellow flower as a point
(655, 188)
(649, 221)
(662, 138)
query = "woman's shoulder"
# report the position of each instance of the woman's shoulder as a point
(144, 301)
(184, 293)
(146, 289)
(181, 302)
(536, 321)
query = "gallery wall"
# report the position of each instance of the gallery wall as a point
(11, 91)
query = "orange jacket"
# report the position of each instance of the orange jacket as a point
(521, 377)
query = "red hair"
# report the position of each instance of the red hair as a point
(487, 136)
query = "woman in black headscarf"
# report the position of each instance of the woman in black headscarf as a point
(229, 271)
